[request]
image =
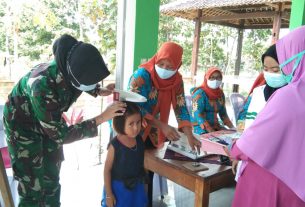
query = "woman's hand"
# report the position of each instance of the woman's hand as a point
(107, 90)
(170, 132)
(194, 143)
(110, 200)
(115, 109)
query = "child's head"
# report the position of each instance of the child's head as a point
(130, 122)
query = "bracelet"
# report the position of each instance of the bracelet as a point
(108, 197)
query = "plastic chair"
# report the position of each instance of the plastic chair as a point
(237, 101)
(188, 100)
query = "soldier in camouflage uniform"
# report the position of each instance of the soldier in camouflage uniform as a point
(33, 119)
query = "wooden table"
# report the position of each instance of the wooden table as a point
(202, 183)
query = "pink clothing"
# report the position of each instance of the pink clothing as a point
(257, 187)
(276, 139)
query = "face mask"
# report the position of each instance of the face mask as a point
(164, 73)
(289, 77)
(85, 87)
(79, 86)
(274, 80)
(213, 84)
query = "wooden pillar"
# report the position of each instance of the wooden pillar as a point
(4, 186)
(277, 24)
(238, 56)
(196, 45)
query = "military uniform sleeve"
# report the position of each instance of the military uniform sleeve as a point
(47, 111)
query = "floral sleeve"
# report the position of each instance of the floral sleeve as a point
(181, 112)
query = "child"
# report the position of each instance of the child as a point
(124, 167)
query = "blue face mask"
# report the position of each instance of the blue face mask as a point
(164, 73)
(274, 80)
(298, 58)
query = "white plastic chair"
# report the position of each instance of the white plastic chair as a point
(237, 101)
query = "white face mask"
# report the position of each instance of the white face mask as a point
(274, 80)
(85, 87)
(164, 73)
(80, 86)
(213, 84)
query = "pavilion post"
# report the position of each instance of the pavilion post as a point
(277, 24)
(196, 46)
(238, 57)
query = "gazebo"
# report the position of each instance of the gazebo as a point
(239, 14)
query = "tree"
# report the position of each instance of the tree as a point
(255, 45)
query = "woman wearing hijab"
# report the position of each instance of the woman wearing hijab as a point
(33, 119)
(160, 82)
(260, 94)
(271, 79)
(208, 101)
(273, 146)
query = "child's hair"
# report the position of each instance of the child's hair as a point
(119, 121)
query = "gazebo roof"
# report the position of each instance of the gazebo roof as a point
(248, 14)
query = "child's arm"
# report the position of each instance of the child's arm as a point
(110, 199)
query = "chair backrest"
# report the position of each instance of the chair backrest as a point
(188, 100)
(1, 116)
(3, 146)
(237, 101)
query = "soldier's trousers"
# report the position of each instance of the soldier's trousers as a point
(37, 170)
(39, 186)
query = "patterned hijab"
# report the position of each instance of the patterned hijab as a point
(212, 94)
(282, 151)
(167, 88)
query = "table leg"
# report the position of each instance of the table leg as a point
(202, 193)
(4, 186)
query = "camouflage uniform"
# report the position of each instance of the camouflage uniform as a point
(36, 132)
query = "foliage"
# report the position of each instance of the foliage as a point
(28, 28)
(217, 45)
(255, 45)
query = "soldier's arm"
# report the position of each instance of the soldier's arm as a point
(47, 110)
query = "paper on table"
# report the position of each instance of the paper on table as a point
(210, 141)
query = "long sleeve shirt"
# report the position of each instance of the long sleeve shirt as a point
(141, 83)
(205, 112)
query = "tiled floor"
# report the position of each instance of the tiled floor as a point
(181, 197)
(82, 182)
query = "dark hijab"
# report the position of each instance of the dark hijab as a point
(86, 63)
(271, 52)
